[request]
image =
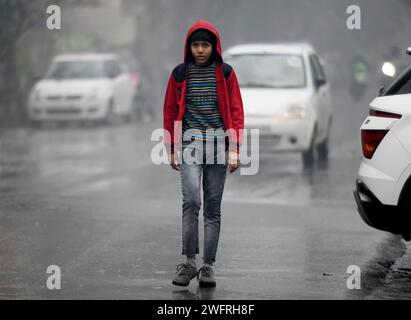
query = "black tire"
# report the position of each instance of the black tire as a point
(322, 150)
(404, 205)
(406, 236)
(323, 147)
(308, 156)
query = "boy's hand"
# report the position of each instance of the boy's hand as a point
(172, 159)
(233, 161)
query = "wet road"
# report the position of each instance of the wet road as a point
(90, 201)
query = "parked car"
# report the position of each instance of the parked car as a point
(383, 186)
(285, 95)
(83, 87)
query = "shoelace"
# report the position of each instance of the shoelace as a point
(181, 266)
(206, 272)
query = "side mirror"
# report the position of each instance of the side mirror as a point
(319, 82)
(408, 51)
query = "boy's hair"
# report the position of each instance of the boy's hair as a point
(203, 35)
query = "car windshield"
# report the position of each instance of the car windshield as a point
(76, 70)
(268, 70)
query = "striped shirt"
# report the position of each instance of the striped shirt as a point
(202, 115)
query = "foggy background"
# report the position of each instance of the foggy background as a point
(153, 34)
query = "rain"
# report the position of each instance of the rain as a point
(82, 91)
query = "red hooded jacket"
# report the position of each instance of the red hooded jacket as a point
(228, 93)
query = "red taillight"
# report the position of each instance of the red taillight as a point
(370, 140)
(383, 114)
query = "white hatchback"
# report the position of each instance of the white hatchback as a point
(383, 187)
(83, 87)
(285, 95)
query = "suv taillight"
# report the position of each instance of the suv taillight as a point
(383, 114)
(370, 140)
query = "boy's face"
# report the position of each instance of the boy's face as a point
(201, 51)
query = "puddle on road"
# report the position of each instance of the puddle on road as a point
(123, 183)
(14, 169)
(281, 186)
(282, 180)
(70, 167)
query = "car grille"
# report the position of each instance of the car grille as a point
(270, 139)
(54, 98)
(263, 129)
(74, 97)
(265, 141)
(63, 110)
(71, 97)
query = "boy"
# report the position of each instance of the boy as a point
(202, 104)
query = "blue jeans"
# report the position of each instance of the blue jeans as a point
(213, 179)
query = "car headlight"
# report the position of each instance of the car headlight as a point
(389, 69)
(294, 112)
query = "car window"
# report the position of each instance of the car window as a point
(316, 68)
(113, 68)
(268, 70)
(124, 68)
(401, 85)
(75, 70)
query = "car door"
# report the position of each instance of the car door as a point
(127, 86)
(117, 83)
(322, 92)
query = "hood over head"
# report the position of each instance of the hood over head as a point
(203, 25)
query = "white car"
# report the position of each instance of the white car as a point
(83, 87)
(285, 95)
(383, 187)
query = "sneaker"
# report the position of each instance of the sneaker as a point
(206, 277)
(185, 272)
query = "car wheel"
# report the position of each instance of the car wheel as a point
(308, 155)
(406, 236)
(322, 149)
(405, 209)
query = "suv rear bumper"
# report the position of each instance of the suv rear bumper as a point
(377, 215)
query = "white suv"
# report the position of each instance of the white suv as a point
(383, 187)
(285, 95)
(83, 87)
